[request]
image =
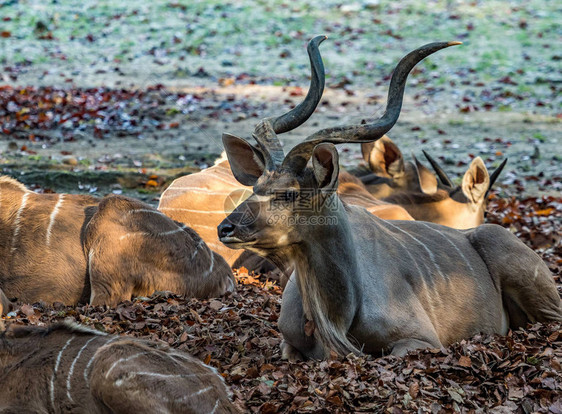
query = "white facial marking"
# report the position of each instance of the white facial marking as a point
(57, 363)
(71, 370)
(17, 221)
(53, 217)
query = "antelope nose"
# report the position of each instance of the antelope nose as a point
(225, 229)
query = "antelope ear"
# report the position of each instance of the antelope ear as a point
(427, 180)
(476, 181)
(384, 157)
(325, 166)
(246, 162)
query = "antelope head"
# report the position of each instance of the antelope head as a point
(390, 173)
(472, 195)
(287, 195)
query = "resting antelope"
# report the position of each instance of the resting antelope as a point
(413, 187)
(76, 248)
(67, 368)
(201, 201)
(367, 284)
(198, 200)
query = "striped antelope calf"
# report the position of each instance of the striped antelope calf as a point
(367, 284)
(67, 368)
(413, 187)
(198, 200)
(76, 248)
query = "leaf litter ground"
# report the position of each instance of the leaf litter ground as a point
(237, 334)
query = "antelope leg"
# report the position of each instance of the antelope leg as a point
(519, 273)
(402, 347)
(296, 345)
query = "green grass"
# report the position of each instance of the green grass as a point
(499, 37)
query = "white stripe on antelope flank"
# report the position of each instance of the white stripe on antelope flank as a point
(122, 360)
(17, 221)
(144, 210)
(90, 259)
(193, 211)
(208, 272)
(214, 410)
(452, 244)
(168, 376)
(197, 247)
(137, 233)
(412, 258)
(198, 190)
(110, 340)
(187, 397)
(144, 233)
(429, 252)
(53, 217)
(57, 363)
(71, 370)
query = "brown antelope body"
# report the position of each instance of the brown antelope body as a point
(201, 201)
(413, 187)
(74, 248)
(71, 369)
(367, 284)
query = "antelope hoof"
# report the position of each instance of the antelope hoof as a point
(290, 353)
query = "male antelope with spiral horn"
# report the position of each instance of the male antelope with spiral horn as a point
(362, 283)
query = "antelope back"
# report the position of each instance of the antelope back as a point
(40, 235)
(68, 368)
(460, 207)
(389, 173)
(198, 200)
(353, 192)
(134, 249)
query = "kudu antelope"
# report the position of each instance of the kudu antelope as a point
(67, 368)
(412, 186)
(198, 200)
(363, 283)
(76, 248)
